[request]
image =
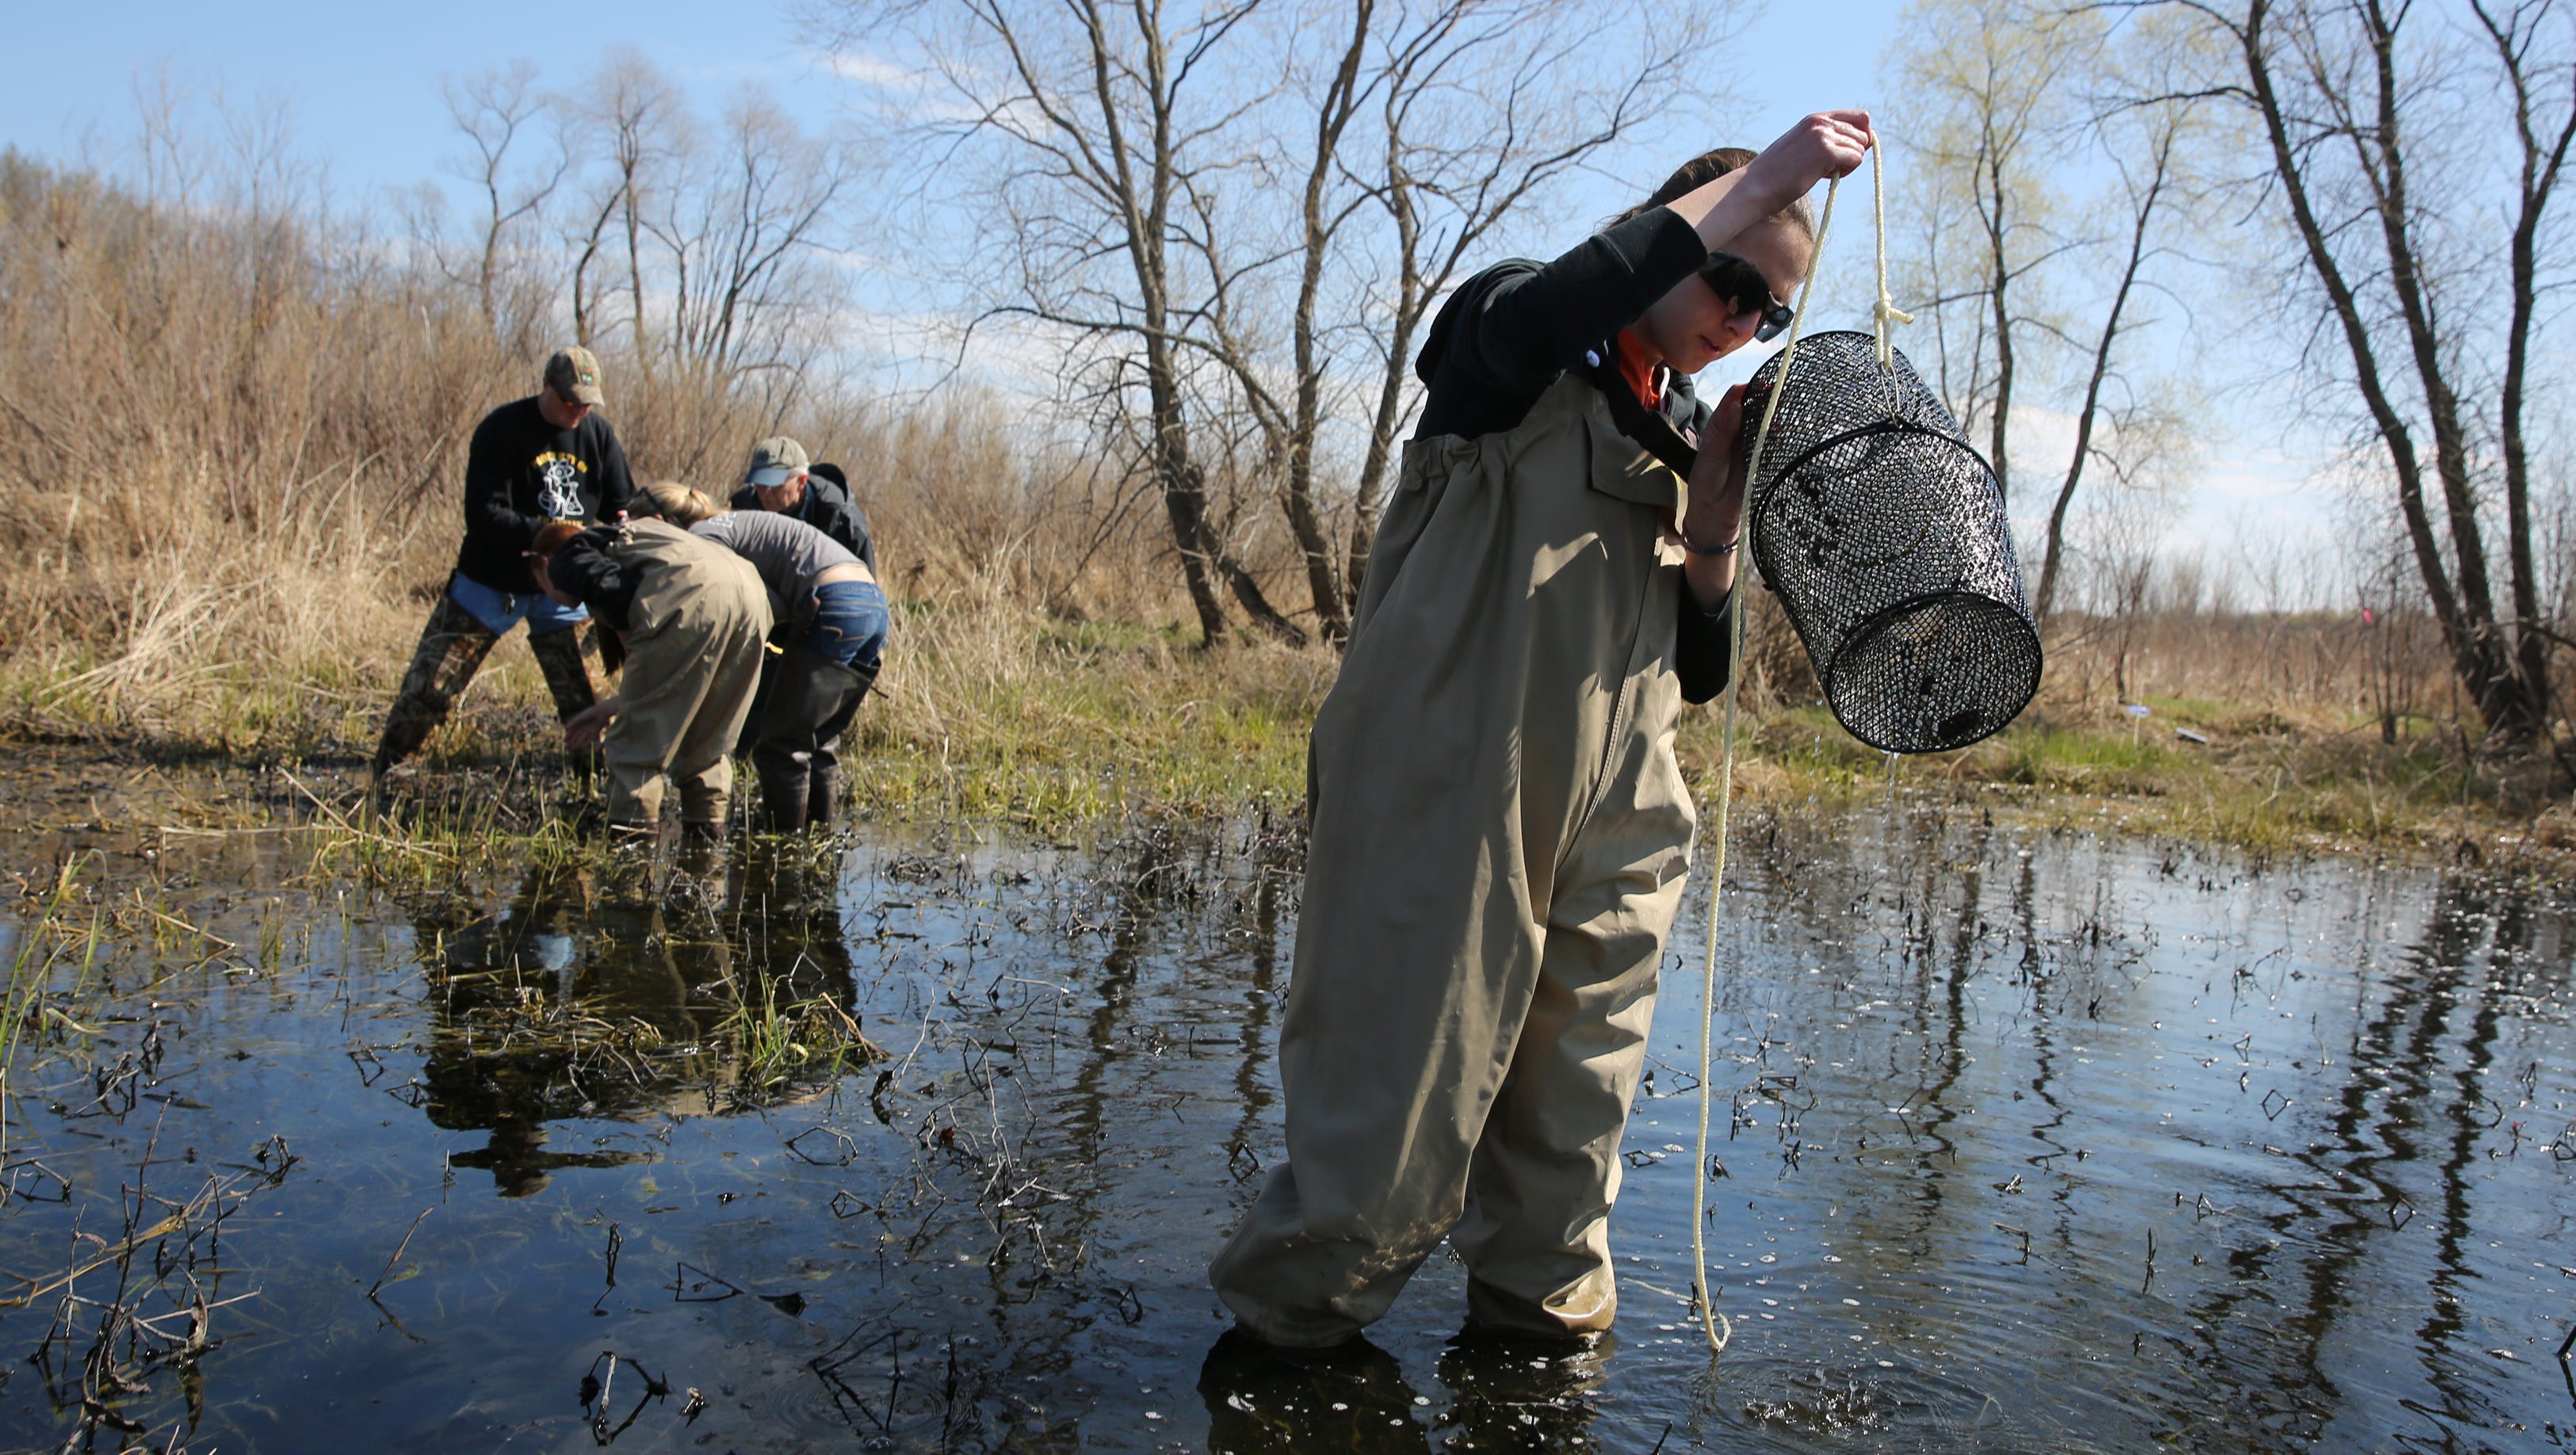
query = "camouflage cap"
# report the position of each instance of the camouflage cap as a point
(573, 373)
(774, 462)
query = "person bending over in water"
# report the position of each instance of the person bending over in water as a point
(692, 616)
(781, 481)
(1499, 828)
(831, 632)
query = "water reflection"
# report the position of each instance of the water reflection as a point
(2027, 1141)
(1503, 1393)
(596, 997)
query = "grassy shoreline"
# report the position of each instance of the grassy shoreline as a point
(1005, 716)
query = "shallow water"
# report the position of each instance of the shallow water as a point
(2026, 1141)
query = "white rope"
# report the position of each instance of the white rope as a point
(1885, 312)
(1716, 1326)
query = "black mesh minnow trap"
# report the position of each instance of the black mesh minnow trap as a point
(1884, 534)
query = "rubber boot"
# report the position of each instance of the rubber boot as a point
(782, 801)
(822, 795)
(807, 700)
(823, 791)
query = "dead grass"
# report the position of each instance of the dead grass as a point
(230, 458)
(289, 411)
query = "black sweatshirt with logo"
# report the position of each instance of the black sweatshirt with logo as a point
(1509, 333)
(521, 473)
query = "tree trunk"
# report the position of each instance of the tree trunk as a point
(2084, 419)
(1323, 571)
(635, 278)
(1996, 231)
(1184, 496)
(2542, 162)
(2503, 704)
(2475, 661)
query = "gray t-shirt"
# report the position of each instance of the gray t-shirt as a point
(786, 552)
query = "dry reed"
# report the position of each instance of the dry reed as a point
(230, 455)
(230, 450)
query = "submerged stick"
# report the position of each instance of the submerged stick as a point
(398, 1251)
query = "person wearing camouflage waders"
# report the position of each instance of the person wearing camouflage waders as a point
(1499, 829)
(549, 457)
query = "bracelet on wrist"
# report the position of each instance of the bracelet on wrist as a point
(1696, 549)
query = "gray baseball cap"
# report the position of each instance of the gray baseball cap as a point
(774, 462)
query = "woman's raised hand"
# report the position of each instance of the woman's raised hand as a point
(1824, 145)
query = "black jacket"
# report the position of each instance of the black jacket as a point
(828, 508)
(1509, 333)
(521, 473)
(587, 571)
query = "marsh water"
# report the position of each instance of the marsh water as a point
(2025, 1140)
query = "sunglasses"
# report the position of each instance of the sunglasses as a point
(1742, 286)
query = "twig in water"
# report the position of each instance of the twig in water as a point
(395, 1323)
(398, 1251)
(178, 923)
(685, 1292)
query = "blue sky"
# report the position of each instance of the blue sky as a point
(361, 86)
(362, 81)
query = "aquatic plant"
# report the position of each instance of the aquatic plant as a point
(811, 1040)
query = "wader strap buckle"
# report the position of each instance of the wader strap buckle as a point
(1652, 432)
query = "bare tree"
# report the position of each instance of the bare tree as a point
(742, 244)
(1249, 208)
(1988, 82)
(639, 125)
(1090, 135)
(1290, 427)
(491, 110)
(1484, 107)
(2542, 79)
(2145, 146)
(1460, 108)
(2347, 95)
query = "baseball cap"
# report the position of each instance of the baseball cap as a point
(773, 461)
(573, 373)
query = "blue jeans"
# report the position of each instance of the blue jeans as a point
(499, 611)
(849, 623)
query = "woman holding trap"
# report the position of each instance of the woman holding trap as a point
(1500, 829)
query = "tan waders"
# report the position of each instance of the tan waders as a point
(693, 652)
(452, 648)
(1499, 838)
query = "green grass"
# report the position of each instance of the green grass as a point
(809, 1042)
(1008, 715)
